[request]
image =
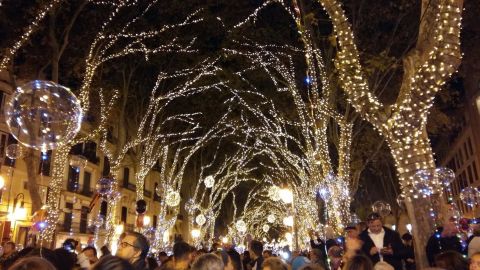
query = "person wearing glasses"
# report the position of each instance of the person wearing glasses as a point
(382, 244)
(134, 248)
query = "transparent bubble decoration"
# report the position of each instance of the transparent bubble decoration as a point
(173, 198)
(324, 193)
(98, 222)
(274, 193)
(445, 175)
(470, 196)
(271, 218)
(14, 151)
(105, 186)
(241, 226)
(43, 115)
(382, 208)
(200, 219)
(209, 181)
(426, 183)
(265, 228)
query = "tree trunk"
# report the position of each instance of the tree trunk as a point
(409, 158)
(32, 165)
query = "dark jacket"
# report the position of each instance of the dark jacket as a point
(391, 239)
(437, 245)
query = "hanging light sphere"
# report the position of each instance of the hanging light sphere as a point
(173, 198)
(274, 193)
(324, 193)
(265, 228)
(209, 181)
(271, 218)
(445, 175)
(43, 115)
(382, 208)
(105, 186)
(470, 196)
(98, 222)
(14, 151)
(288, 221)
(241, 226)
(425, 183)
(286, 195)
(200, 219)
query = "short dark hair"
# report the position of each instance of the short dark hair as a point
(374, 216)
(141, 243)
(407, 237)
(275, 263)
(235, 259)
(181, 250)
(162, 253)
(90, 248)
(110, 262)
(256, 247)
(269, 252)
(32, 263)
(208, 261)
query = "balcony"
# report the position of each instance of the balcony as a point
(82, 190)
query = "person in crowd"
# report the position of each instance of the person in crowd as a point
(335, 256)
(134, 248)
(361, 226)
(358, 262)
(91, 254)
(47, 254)
(152, 263)
(382, 266)
(256, 249)
(299, 261)
(105, 251)
(110, 262)
(474, 243)
(274, 263)
(451, 260)
(68, 259)
(311, 266)
(351, 231)
(382, 243)
(234, 260)
(162, 257)
(444, 239)
(182, 255)
(475, 261)
(409, 253)
(9, 255)
(33, 263)
(316, 242)
(316, 257)
(208, 262)
(246, 260)
(267, 254)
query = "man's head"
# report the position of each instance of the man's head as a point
(182, 252)
(351, 231)
(208, 262)
(162, 256)
(407, 239)
(133, 247)
(91, 253)
(361, 226)
(9, 248)
(375, 224)
(255, 248)
(267, 254)
(70, 244)
(475, 261)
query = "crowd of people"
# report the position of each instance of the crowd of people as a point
(366, 246)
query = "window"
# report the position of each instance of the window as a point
(84, 220)
(126, 176)
(73, 174)
(3, 98)
(67, 222)
(470, 174)
(154, 221)
(124, 214)
(87, 176)
(106, 167)
(103, 208)
(45, 163)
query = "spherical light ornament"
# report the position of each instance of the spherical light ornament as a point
(241, 226)
(274, 193)
(286, 195)
(173, 198)
(209, 181)
(382, 208)
(324, 193)
(425, 183)
(105, 186)
(387, 209)
(98, 222)
(14, 151)
(265, 228)
(288, 221)
(470, 196)
(271, 218)
(200, 219)
(445, 175)
(43, 115)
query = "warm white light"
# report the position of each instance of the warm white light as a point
(195, 233)
(166, 237)
(286, 195)
(409, 227)
(20, 213)
(394, 227)
(119, 229)
(288, 221)
(225, 240)
(146, 220)
(289, 237)
(2, 182)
